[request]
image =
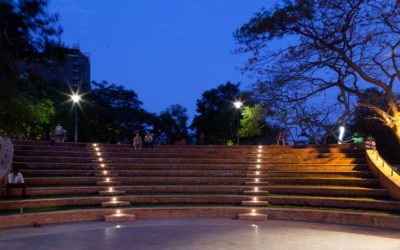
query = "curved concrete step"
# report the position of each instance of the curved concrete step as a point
(160, 166)
(216, 155)
(175, 173)
(188, 160)
(35, 181)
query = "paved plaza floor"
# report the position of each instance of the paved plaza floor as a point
(198, 233)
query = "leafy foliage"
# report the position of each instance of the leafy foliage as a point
(25, 26)
(172, 123)
(250, 124)
(216, 115)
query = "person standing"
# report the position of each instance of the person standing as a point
(137, 141)
(281, 138)
(59, 133)
(148, 140)
(15, 180)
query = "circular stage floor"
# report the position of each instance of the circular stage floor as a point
(198, 233)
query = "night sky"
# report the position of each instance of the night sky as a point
(168, 52)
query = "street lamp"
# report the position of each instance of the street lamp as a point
(75, 99)
(238, 105)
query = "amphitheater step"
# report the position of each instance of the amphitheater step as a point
(119, 217)
(115, 203)
(105, 173)
(255, 203)
(316, 181)
(112, 192)
(160, 166)
(108, 183)
(256, 192)
(19, 158)
(253, 216)
(325, 174)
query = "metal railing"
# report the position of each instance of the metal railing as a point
(373, 154)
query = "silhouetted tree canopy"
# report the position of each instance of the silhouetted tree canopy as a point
(342, 46)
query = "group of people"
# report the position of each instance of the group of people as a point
(138, 142)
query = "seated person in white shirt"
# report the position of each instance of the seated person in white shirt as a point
(15, 180)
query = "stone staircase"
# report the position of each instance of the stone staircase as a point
(253, 180)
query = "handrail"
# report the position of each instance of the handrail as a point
(6, 156)
(389, 177)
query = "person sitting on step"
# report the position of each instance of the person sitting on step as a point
(148, 140)
(15, 180)
(137, 142)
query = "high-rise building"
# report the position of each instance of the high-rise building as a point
(73, 70)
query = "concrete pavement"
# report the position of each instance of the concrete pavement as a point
(198, 233)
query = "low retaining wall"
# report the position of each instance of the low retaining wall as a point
(311, 215)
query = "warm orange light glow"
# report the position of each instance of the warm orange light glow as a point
(257, 173)
(258, 166)
(94, 144)
(259, 150)
(100, 159)
(253, 210)
(255, 199)
(256, 180)
(259, 155)
(107, 179)
(102, 165)
(258, 160)
(110, 189)
(104, 172)
(256, 189)
(259, 146)
(98, 154)
(114, 199)
(118, 211)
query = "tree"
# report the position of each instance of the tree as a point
(364, 124)
(348, 45)
(112, 113)
(253, 126)
(25, 26)
(251, 122)
(173, 123)
(216, 118)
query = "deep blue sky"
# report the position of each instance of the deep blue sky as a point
(167, 51)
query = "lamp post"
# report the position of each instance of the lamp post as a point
(238, 105)
(75, 99)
